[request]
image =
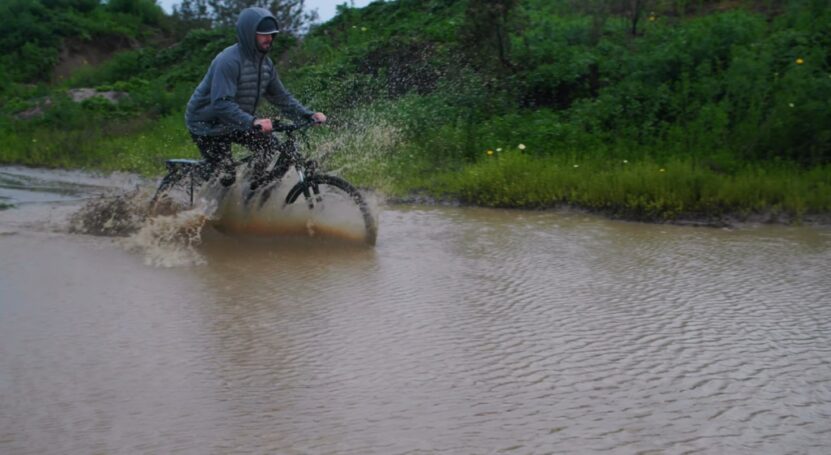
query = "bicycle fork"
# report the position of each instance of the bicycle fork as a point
(311, 190)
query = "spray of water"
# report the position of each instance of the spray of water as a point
(170, 233)
(170, 240)
(113, 214)
(360, 145)
(265, 213)
(165, 240)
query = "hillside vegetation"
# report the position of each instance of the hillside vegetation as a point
(654, 110)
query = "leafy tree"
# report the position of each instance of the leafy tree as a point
(193, 14)
(485, 33)
(633, 10)
(291, 15)
(630, 10)
(83, 6)
(146, 10)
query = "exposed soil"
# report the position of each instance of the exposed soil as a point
(78, 53)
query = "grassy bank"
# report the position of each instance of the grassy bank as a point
(643, 189)
(378, 156)
(132, 145)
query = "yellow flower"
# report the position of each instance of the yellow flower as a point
(799, 61)
(521, 146)
(663, 170)
(489, 152)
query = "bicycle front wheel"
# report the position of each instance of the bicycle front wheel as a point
(335, 202)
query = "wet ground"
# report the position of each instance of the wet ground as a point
(461, 331)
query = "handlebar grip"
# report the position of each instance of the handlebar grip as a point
(283, 127)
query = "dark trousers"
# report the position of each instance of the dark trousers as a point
(216, 151)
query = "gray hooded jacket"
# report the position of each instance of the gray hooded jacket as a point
(227, 97)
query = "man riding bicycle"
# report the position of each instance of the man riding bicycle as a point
(222, 109)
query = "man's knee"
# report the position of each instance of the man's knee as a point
(227, 179)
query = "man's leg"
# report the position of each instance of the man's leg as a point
(263, 147)
(216, 150)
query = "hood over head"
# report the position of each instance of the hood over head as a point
(247, 23)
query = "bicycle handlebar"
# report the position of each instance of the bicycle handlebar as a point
(280, 127)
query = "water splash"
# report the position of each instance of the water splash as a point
(170, 234)
(166, 239)
(170, 240)
(361, 146)
(265, 214)
(112, 214)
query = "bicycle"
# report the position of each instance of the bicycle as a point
(188, 175)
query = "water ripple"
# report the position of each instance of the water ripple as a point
(464, 331)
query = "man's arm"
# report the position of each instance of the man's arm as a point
(277, 95)
(223, 92)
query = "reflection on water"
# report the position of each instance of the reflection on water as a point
(462, 331)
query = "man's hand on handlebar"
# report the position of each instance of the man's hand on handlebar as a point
(264, 125)
(318, 118)
(267, 125)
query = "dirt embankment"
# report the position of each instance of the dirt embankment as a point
(77, 53)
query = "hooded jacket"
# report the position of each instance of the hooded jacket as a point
(239, 76)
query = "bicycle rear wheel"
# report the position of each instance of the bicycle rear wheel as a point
(177, 188)
(335, 199)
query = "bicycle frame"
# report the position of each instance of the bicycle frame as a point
(287, 155)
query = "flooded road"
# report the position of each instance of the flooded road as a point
(462, 331)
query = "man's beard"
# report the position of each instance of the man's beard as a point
(264, 48)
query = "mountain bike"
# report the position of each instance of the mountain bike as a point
(186, 177)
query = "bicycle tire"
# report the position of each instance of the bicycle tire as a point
(322, 186)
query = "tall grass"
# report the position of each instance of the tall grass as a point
(641, 189)
(132, 145)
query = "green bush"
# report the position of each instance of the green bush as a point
(147, 11)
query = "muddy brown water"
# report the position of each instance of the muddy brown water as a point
(462, 331)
